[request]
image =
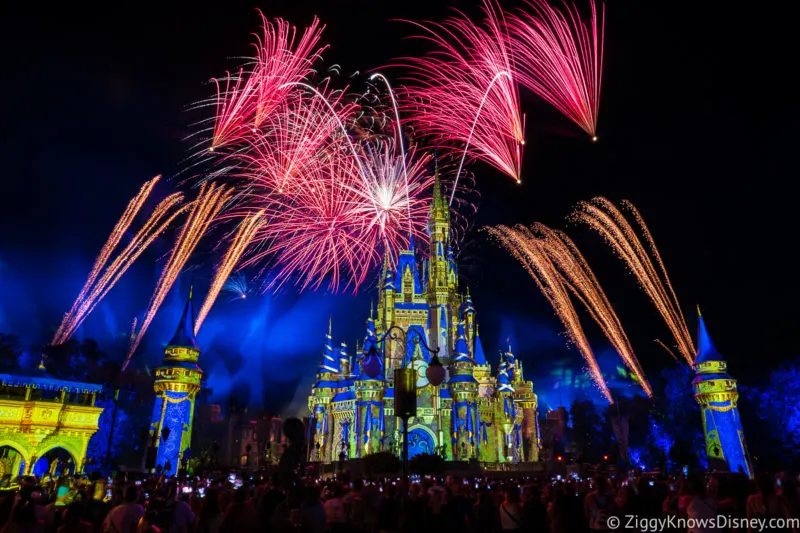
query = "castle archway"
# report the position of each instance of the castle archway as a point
(55, 462)
(421, 440)
(12, 461)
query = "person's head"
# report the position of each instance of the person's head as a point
(600, 483)
(512, 493)
(311, 495)
(241, 495)
(336, 490)
(294, 430)
(131, 494)
(358, 485)
(24, 512)
(211, 503)
(766, 485)
(698, 485)
(73, 514)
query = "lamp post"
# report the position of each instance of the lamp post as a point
(405, 386)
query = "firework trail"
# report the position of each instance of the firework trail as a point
(606, 219)
(203, 211)
(103, 275)
(582, 282)
(237, 285)
(241, 240)
(399, 132)
(462, 95)
(561, 59)
(66, 328)
(533, 257)
(163, 216)
(248, 98)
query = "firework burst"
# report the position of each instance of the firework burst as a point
(606, 219)
(561, 59)
(462, 95)
(531, 253)
(237, 286)
(245, 100)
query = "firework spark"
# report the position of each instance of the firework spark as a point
(236, 284)
(103, 275)
(582, 282)
(241, 240)
(249, 97)
(561, 59)
(606, 219)
(463, 96)
(314, 234)
(203, 211)
(532, 255)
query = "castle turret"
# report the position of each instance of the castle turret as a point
(344, 361)
(717, 395)
(507, 414)
(177, 382)
(369, 390)
(464, 390)
(468, 316)
(321, 393)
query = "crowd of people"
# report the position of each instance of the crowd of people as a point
(287, 501)
(261, 503)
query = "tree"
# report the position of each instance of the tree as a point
(586, 433)
(426, 464)
(9, 352)
(774, 430)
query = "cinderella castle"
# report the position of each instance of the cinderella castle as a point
(473, 415)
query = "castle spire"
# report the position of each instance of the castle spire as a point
(461, 350)
(480, 356)
(329, 361)
(184, 333)
(706, 351)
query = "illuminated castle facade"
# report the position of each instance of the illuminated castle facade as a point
(717, 395)
(177, 382)
(472, 415)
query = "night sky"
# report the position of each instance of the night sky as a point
(694, 129)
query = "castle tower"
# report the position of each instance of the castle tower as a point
(439, 286)
(177, 382)
(717, 395)
(506, 415)
(321, 393)
(369, 407)
(468, 316)
(464, 391)
(526, 430)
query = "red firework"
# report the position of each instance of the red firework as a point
(560, 58)
(462, 95)
(248, 98)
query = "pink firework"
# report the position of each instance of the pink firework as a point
(248, 98)
(394, 197)
(560, 58)
(462, 95)
(317, 232)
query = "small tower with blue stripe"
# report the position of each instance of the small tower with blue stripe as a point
(716, 393)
